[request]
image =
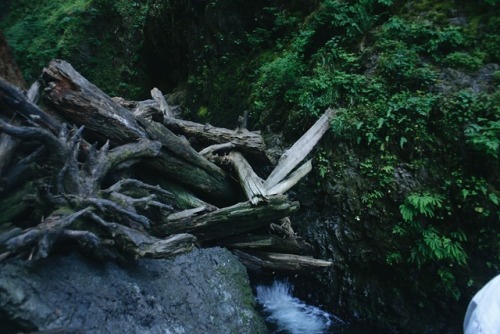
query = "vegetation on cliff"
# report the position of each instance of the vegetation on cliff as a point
(412, 162)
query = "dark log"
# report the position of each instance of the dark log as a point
(280, 262)
(7, 148)
(184, 199)
(263, 242)
(236, 219)
(22, 172)
(13, 102)
(77, 100)
(141, 244)
(43, 236)
(16, 201)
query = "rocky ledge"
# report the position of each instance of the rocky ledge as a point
(205, 291)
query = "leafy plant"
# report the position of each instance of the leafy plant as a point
(420, 204)
(484, 135)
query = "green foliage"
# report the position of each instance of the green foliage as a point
(465, 60)
(99, 38)
(484, 135)
(420, 204)
(323, 164)
(382, 65)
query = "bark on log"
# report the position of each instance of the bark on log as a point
(267, 242)
(79, 101)
(235, 219)
(157, 95)
(184, 164)
(279, 261)
(294, 155)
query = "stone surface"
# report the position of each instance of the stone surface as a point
(205, 291)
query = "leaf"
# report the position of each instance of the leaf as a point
(494, 198)
(407, 211)
(402, 141)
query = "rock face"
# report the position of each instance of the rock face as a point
(205, 291)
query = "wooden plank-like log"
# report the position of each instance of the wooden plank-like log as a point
(235, 219)
(280, 262)
(292, 180)
(186, 213)
(294, 155)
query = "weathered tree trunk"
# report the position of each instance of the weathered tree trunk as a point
(235, 219)
(205, 135)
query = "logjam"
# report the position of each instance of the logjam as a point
(120, 178)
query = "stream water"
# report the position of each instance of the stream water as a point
(288, 314)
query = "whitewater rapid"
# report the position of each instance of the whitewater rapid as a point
(291, 315)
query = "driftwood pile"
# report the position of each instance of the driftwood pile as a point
(120, 178)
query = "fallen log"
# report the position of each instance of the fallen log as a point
(263, 242)
(14, 102)
(279, 261)
(80, 102)
(206, 135)
(181, 162)
(235, 219)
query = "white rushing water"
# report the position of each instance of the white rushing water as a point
(290, 314)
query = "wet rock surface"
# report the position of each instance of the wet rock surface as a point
(205, 291)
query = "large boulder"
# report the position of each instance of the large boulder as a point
(205, 291)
